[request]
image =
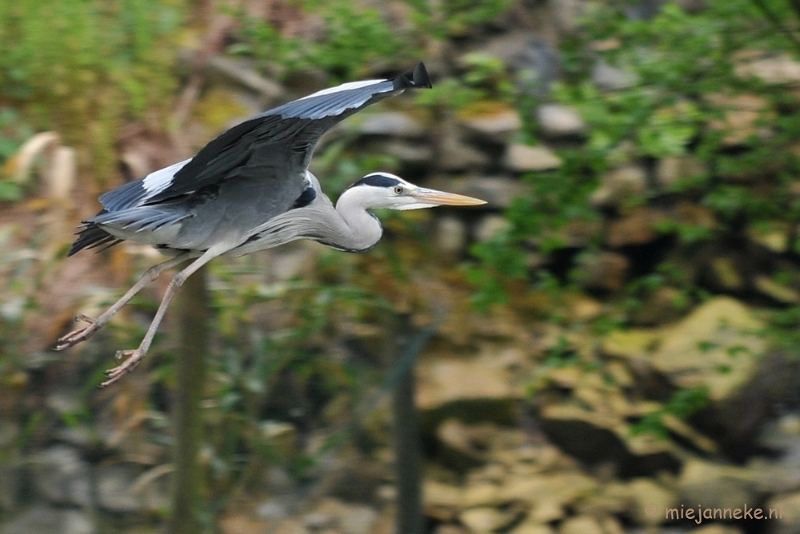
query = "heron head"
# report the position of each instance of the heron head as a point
(384, 190)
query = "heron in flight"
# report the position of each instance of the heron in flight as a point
(250, 189)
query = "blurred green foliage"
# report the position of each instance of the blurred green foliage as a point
(356, 38)
(680, 84)
(84, 68)
(674, 63)
(681, 405)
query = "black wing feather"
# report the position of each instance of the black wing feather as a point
(289, 132)
(278, 142)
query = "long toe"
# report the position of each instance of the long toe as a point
(132, 359)
(79, 334)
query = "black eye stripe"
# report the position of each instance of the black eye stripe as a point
(378, 180)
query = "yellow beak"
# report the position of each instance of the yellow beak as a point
(440, 198)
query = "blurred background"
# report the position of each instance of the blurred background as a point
(611, 341)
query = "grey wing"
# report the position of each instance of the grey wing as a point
(272, 149)
(285, 136)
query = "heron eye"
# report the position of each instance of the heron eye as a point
(398, 190)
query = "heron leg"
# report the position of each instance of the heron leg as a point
(131, 358)
(85, 332)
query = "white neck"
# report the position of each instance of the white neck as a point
(347, 227)
(360, 230)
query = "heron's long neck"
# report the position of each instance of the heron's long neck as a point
(360, 230)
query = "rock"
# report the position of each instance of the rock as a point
(776, 237)
(44, 520)
(716, 346)
(118, 490)
(567, 15)
(482, 494)
(450, 529)
(440, 500)
(525, 158)
(392, 124)
(716, 529)
(61, 476)
(508, 47)
(743, 117)
(408, 153)
(605, 271)
(80, 436)
(277, 507)
(582, 308)
(671, 170)
(772, 69)
(614, 498)
(777, 292)
(619, 185)
(580, 525)
(497, 126)
(531, 527)
(349, 518)
(280, 436)
(632, 344)
(12, 475)
(715, 485)
(549, 494)
(664, 305)
(450, 235)
(230, 524)
(649, 501)
(575, 233)
(473, 388)
(726, 275)
(558, 121)
(489, 226)
(483, 519)
(533, 60)
(787, 510)
(497, 191)
(736, 422)
(639, 227)
(355, 480)
(455, 154)
(780, 474)
(690, 214)
(62, 401)
(609, 78)
(463, 446)
(286, 526)
(602, 435)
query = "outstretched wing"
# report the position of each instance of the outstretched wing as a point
(286, 136)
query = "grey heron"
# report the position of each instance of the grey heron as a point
(250, 189)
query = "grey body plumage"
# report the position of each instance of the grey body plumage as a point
(249, 189)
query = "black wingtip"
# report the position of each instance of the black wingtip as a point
(420, 76)
(414, 78)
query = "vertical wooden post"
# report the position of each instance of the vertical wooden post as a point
(190, 371)
(407, 436)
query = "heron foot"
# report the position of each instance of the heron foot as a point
(79, 334)
(129, 358)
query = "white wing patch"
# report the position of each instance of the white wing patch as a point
(344, 87)
(157, 181)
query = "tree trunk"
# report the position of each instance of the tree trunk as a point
(407, 439)
(190, 370)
